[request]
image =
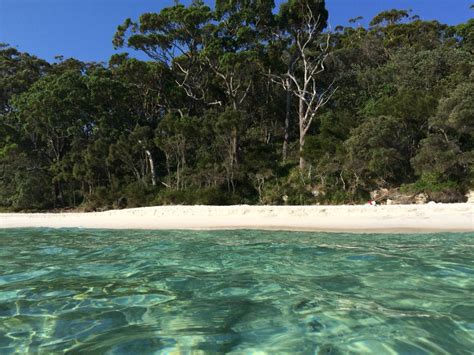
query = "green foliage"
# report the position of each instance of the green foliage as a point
(137, 194)
(156, 34)
(455, 116)
(207, 196)
(390, 17)
(18, 71)
(406, 104)
(466, 33)
(204, 121)
(439, 156)
(100, 199)
(437, 188)
(339, 197)
(24, 185)
(377, 151)
(448, 150)
(293, 12)
(429, 182)
(293, 189)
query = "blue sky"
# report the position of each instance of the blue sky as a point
(83, 29)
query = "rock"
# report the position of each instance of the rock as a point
(421, 198)
(431, 203)
(396, 197)
(447, 196)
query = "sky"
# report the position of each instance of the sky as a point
(83, 29)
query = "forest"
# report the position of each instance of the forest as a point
(242, 103)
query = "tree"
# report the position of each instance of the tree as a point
(376, 152)
(448, 151)
(173, 37)
(18, 71)
(185, 39)
(204, 119)
(176, 137)
(389, 18)
(303, 22)
(133, 151)
(54, 113)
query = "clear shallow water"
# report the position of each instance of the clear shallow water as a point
(235, 292)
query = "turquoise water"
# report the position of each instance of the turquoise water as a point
(128, 292)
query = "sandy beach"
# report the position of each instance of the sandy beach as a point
(394, 218)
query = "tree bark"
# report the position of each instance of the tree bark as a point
(286, 137)
(302, 130)
(235, 144)
(152, 167)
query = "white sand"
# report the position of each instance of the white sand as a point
(395, 218)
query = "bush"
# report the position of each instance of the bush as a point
(339, 197)
(437, 190)
(208, 196)
(429, 182)
(33, 192)
(137, 194)
(100, 199)
(293, 189)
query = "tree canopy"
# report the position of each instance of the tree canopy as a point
(241, 103)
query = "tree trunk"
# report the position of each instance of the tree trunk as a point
(302, 160)
(234, 148)
(301, 113)
(178, 180)
(152, 167)
(287, 125)
(235, 139)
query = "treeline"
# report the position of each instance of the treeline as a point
(242, 103)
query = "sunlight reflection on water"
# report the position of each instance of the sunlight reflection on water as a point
(235, 291)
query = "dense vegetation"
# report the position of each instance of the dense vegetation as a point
(242, 103)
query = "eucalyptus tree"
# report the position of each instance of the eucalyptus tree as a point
(301, 26)
(213, 53)
(205, 115)
(448, 151)
(465, 31)
(152, 93)
(173, 37)
(231, 51)
(53, 114)
(18, 71)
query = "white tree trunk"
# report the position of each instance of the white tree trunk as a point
(152, 166)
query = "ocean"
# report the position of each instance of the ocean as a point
(236, 291)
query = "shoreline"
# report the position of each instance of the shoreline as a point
(458, 217)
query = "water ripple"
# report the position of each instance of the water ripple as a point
(236, 292)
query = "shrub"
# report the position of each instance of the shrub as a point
(208, 196)
(437, 189)
(100, 199)
(137, 194)
(293, 189)
(429, 182)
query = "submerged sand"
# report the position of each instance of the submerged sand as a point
(394, 218)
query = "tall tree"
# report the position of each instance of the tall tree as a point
(302, 23)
